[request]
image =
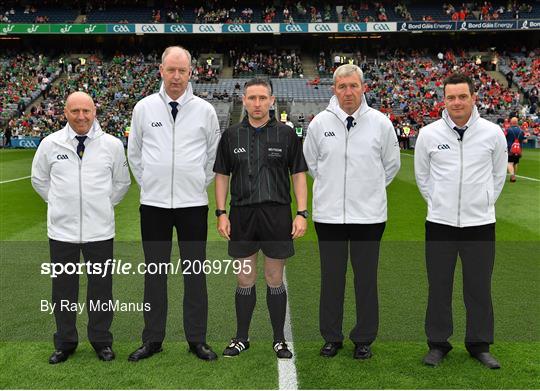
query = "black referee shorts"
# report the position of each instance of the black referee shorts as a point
(513, 159)
(265, 227)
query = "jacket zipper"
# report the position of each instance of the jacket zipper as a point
(173, 157)
(173, 142)
(460, 182)
(345, 179)
(80, 200)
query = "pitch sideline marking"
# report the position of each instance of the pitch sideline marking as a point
(287, 369)
(526, 177)
(15, 180)
(518, 176)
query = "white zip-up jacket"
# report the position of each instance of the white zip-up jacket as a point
(461, 180)
(351, 169)
(80, 194)
(172, 161)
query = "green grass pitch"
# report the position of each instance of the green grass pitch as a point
(26, 332)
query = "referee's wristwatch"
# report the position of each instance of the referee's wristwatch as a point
(303, 213)
(220, 212)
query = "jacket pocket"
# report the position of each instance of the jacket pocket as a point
(98, 219)
(63, 215)
(156, 183)
(327, 201)
(189, 182)
(365, 198)
(475, 202)
(444, 201)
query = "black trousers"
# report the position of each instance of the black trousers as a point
(192, 229)
(476, 248)
(65, 289)
(334, 241)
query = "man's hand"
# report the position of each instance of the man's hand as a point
(224, 226)
(299, 227)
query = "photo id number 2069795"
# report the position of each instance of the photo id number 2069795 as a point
(217, 266)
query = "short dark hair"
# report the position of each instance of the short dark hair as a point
(458, 78)
(257, 81)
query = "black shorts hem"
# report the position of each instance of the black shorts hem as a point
(236, 252)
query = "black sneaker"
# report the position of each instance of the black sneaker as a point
(282, 350)
(236, 347)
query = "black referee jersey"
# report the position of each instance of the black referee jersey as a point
(260, 160)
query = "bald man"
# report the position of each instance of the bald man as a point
(514, 133)
(81, 173)
(171, 151)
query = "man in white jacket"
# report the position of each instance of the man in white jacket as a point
(81, 172)
(171, 151)
(460, 167)
(352, 153)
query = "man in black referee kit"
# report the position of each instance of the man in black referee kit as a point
(260, 152)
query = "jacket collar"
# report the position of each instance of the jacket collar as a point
(334, 108)
(451, 124)
(66, 134)
(185, 98)
(72, 134)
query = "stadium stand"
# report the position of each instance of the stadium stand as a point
(33, 14)
(283, 65)
(115, 85)
(25, 77)
(116, 15)
(406, 85)
(266, 11)
(355, 11)
(523, 69)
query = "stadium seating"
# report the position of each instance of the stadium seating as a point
(250, 63)
(54, 15)
(404, 84)
(297, 12)
(115, 15)
(525, 71)
(24, 78)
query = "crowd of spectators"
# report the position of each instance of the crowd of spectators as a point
(354, 13)
(30, 9)
(24, 76)
(175, 15)
(525, 72)
(213, 13)
(407, 86)
(404, 84)
(287, 11)
(403, 12)
(204, 70)
(41, 19)
(486, 10)
(282, 64)
(7, 15)
(115, 86)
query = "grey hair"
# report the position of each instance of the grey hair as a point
(348, 70)
(168, 50)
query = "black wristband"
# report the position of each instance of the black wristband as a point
(303, 213)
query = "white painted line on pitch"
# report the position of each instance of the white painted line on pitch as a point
(15, 180)
(518, 176)
(286, 368)
(526, 177)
